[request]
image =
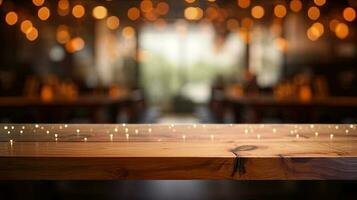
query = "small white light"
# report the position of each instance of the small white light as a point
(316, 134)
(21, 131)
(85, 139)
(78, 130)
(245, 131)
(115, 130)
(60, 127)
(312, 126)
(336, 127)
(42, 127)
(212, 137)
(23, 127)
(331, 136)
(127, 136)
(351, 126)
(297, 136)
(194, 126)
(258, 136)
(5, 127)
(274, 130)
(126, 130)
(184, 137)
(12, 127)
(65, 125)
(123, 124)
(347, 131)
(8, 132)
(36, 125)
(149, 130)
(136, 131)
(47, 132)
(11, 142)
(56, 135)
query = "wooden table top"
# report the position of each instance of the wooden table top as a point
(194, 151)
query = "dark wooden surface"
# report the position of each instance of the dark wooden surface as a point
(241, 152)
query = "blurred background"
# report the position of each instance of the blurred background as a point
(178, 61)
(157, 61)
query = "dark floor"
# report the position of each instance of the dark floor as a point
(177, 190)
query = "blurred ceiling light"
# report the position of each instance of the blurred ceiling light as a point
(26, 26)
(193, 13)
(162, 8)
(75, 44)
(78, 11)
(295, 5)
(349, 14)
(11, 18)
(281, 44)
(257, 12)
(319, 27)
(133, 13)
(32, 35)
(146, 6)
(243, 3)
(280, 11)
(232, 24)
(100, 12)
(342, 30)
(43, 13)
(62, 34)
(332, 25)
(312, 33)
(56, 53)
(320, 2)
(38, 2)
(113, 22)
(190, 1)
(313, 13)
(128, 32)
(63, 7)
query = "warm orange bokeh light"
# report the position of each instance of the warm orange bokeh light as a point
(295, 5)
(100, 12)
(333, 23)
(43, 13)
(190, 1)
(128, 32)
(281, 44)
(146, 6)
(62, 34)
(320, 2)
(243, 3)
(63, 7)
(78, 11)
(38, 2)
(280, 11)
(26, 26)
(75, 44)
(315, 31)
(349, 14)
(257, 12)
(11, 18)
(112, 22)
(32, 35)
(313, 13)
(162, 8)
(193, 13)
(342, 30)
(133, 13)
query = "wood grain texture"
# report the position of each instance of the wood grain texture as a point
(242, 152)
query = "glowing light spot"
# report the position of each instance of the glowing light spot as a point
(43, 13)
(342, 30)
(243, 3)
(349, 14)
(26, 26)
(258, 12)
(280, 11)
(113, 22)
(320, 2)
(128, 32)
(295, 5)
(78, 11)
(193, 13)
(38, 2)
(100, 12)
(133, 13)
(313, 13)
